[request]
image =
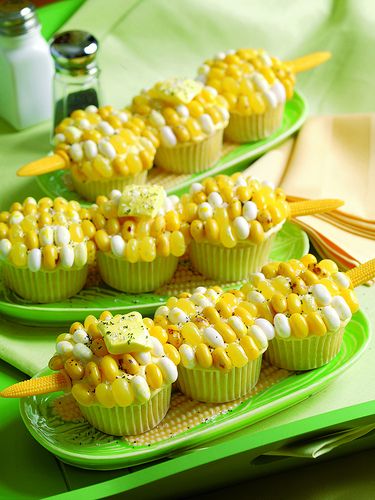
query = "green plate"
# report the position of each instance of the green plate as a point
(81, 445)
(295, 114)
(291, 242)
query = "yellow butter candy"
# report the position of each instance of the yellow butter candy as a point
(125, 333)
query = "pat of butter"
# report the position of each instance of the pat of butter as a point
(176, 91)
(125, 333)
(141, 201)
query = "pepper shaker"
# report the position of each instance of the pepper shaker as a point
(76, 81)
(26, 67)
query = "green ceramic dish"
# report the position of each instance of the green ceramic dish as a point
(291, 242)
(81, 445)
(295, 114)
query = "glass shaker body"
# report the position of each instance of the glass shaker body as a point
(76, 81)
(74, 92)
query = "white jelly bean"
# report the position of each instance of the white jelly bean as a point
(5, 248)
(81, 336)
(46, 236)
(141, 389)
(64, 347)
(321, 294)
(80, 254)
(207, 124)
(331, 318)
(241, 228)
(62, 235)
(82, 352)
(34, 260)
(282, 326)
(187, 356)
(157, 346)
(215, 199)
(156, 119)
(67, 256)
(212, 337)
(341, 307)
(266, 326)
(118, 245)
(255, 297)
(167, 137)
(90, 149)
(75, 152)
(259, 336)
(168, 369)
(250, 210)
(341, 280)
(205, 211)
(183, 111)
(177, 315)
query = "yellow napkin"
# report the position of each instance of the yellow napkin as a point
(332, 157)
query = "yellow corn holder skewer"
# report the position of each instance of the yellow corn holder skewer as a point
(310, 61)
(50, 383)
(362, 274)
(45, 165)
(311, 207)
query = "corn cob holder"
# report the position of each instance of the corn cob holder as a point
(105, 149)
(63, 379)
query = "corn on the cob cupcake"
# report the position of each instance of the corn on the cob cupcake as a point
(255, 85)
(217, 340)
(119, 373)
(106, 149)
(45, 247)
(188, 119)
(233, 222)
(139, 238)
(308, 303)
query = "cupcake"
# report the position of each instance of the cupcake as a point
(309, 303)
(213, 338)
(45, 248)
(105, 149)
(139, 238)
(233, 222)
(120, 375)
(188, 119)
(255, 85)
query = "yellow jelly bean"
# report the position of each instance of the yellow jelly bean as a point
(103, 167)
(56, 363)
(132, 251)
(351, 299)
(83, 393)
(74, 368)
(147, 249)
(211, 314)
(134, 163)
(45, 219)
(102, 240)
(299, 326)
(212, 230)
(16, 234)
(257, 103)
(298, 286)
(158, 332)
(49, 257)
(163, 247)
(264, 311)
(245, 315)
(98, 347)
(250, 307)
(227, 238)
(92, 374)
(31, 240)
(171, 302)
(109, 368)
(104, 395)
(226, 332)
(197, 230)
(224, 308)
(154, 376)
(76, 233)
(266, 289)
(129, 364)
(157, 226)
(128, 230)
(203, 355)
(256, 232)
(186, 305)
(174, 336)
(172, 353)
(286, 269)
(88, 228)
(279, 302)
(191, 334)
(294, 303)
(308, 260)
(249, 346)
(122, 392)
(148, 322)
(309, 277)
(237, 355)
(221, 360)
(316, 324)
(177, 244)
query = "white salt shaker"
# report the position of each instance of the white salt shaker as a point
(26, 67)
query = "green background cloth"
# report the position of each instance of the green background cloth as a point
(144, 41)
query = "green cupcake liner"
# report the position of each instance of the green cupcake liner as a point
(248, 128)
(138, 277)
(304, 354)
(92, 189)
(191, 157)
(131, 420)
(44, 286)
(210, 385)
(229, 264)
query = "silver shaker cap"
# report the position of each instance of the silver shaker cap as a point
(74, 52)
